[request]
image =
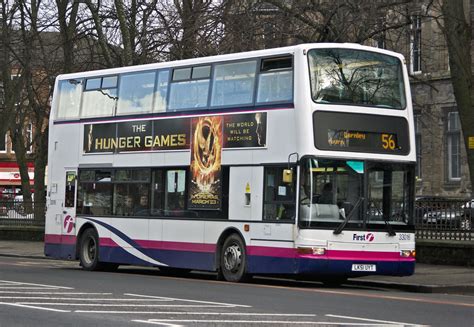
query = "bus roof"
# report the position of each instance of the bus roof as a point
(227, 57)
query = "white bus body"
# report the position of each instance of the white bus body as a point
(114, 140)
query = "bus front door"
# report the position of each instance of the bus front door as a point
(68, 221)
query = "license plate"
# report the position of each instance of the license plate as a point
(361, 267)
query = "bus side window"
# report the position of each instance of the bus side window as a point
(189, 88)
(275, 81)
(233, 83)
(99, 97)
(161, 91)
(70, 194)
(279, 197)
(136, 93)
(175, 192)
(70, 92)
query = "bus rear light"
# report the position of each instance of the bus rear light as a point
(311, 250)
(408, 253)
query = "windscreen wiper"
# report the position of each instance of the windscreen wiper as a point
(339, 228)
(390, 230)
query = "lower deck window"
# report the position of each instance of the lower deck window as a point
(160, 192)
(279, 197)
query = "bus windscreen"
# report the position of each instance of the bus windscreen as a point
(354, 77)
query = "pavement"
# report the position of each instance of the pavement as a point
(427, 278)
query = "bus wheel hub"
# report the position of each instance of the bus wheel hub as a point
(232, 257)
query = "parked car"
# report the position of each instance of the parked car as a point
(445, 213)
(425, 204)
(468, 208)
(467, 214)
(449, 217)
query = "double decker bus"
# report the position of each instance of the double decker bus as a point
(288, 161)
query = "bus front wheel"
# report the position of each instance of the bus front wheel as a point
(233, 259)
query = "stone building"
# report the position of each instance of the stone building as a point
(442, 167)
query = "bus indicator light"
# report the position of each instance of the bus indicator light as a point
(408, 253)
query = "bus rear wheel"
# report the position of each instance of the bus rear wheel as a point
(233, 259)
(89, 253)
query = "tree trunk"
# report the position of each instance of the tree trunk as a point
(458, 37)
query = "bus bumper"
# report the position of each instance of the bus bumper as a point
(327, 267)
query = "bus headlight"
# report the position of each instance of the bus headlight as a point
(408, 253)
(311, 250)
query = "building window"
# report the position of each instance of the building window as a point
(418, 146)
(415, 45)
(29, 138)
(454, 147)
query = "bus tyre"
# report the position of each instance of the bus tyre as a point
(89, 250)
(233, 259)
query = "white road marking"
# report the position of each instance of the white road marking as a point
(161, 324)
(31, 284)
(77, 298)
(374, 320)
(202, 313)
(194, 301)
(280, 322)
(53, 293)
(33, 307)
(125, 305)
(26, 288)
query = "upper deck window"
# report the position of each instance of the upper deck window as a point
(70, 92)
(189, 88)
(354, 77)
(100, 97)
(136, 93)
(161, 91)
(275, 82)
(233, 83)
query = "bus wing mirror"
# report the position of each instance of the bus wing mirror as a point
(287, 176)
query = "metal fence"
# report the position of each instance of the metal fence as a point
(435, 219)
(22, 213)
(444, 219)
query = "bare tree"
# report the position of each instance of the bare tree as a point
(459, 39)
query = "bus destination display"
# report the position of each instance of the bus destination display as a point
(351, 132)
(363, 140)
